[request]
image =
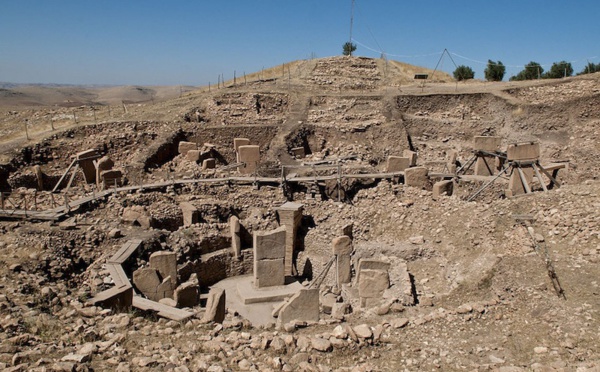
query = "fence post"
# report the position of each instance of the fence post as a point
(26, 129)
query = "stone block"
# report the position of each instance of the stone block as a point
(166, 264)
(452, 156)
(397, 164)
(186, 295)
(342, 245)
(86, 163)
(369, 264)
(137, 215)
(487, 143)
(236, 242)
(522, 152)
(269, 273)
(112, 177)
(347, 230)
(344, 269)
(165, 289)
(103, 164)
(485, 166)
(416, 177)
(39, 177)
(269, 244)
(290, 216)
(515, 186)
(442, 188)
(250, 156)
(146, 280)
(412, 157)
(373, 283)
(190, 213)
(193, 156)
(303, 306)
(215, 306)
(116, 298)
(209, 163)
(298, 152)
(184, 147)
(237, 142)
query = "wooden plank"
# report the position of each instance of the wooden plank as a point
(117, 274)
(125, 251)
(539, 177)
(107, 294)
(553, 166)
(63, 176)
(165, 311)
(524, 180)
(374, 175)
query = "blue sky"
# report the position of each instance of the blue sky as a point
(153, 42)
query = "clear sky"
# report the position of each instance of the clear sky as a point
(150, 42)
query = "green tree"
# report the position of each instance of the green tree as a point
(532, 70)
(348, 48)
(559, 69)
(590, 68)
(494, 71)
(463, 72)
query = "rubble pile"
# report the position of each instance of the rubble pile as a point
(351, 73)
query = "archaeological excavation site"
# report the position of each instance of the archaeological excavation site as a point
(331, 214)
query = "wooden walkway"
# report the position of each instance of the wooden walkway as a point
(59, 212)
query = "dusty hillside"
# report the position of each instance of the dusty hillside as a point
(480, 297)
(20, 96)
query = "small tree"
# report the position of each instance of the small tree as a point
(559, 69)
(590, 68)
(494, 71)
(348, 48)
(464, 73)
(532, 70)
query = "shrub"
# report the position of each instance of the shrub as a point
(532, 70)
(464, 73)
(494, 71)
(559, 70)
(590, 68)
(348, 48)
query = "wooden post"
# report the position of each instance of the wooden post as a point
(94, 111)
(26, 130)
(339, 181)
(124, 108)
(51, 122)
(74, 117)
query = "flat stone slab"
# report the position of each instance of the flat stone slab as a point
(251, 295)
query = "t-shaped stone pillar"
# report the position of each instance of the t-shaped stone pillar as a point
(290, 216)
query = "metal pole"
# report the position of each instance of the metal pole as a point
(351, 24)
